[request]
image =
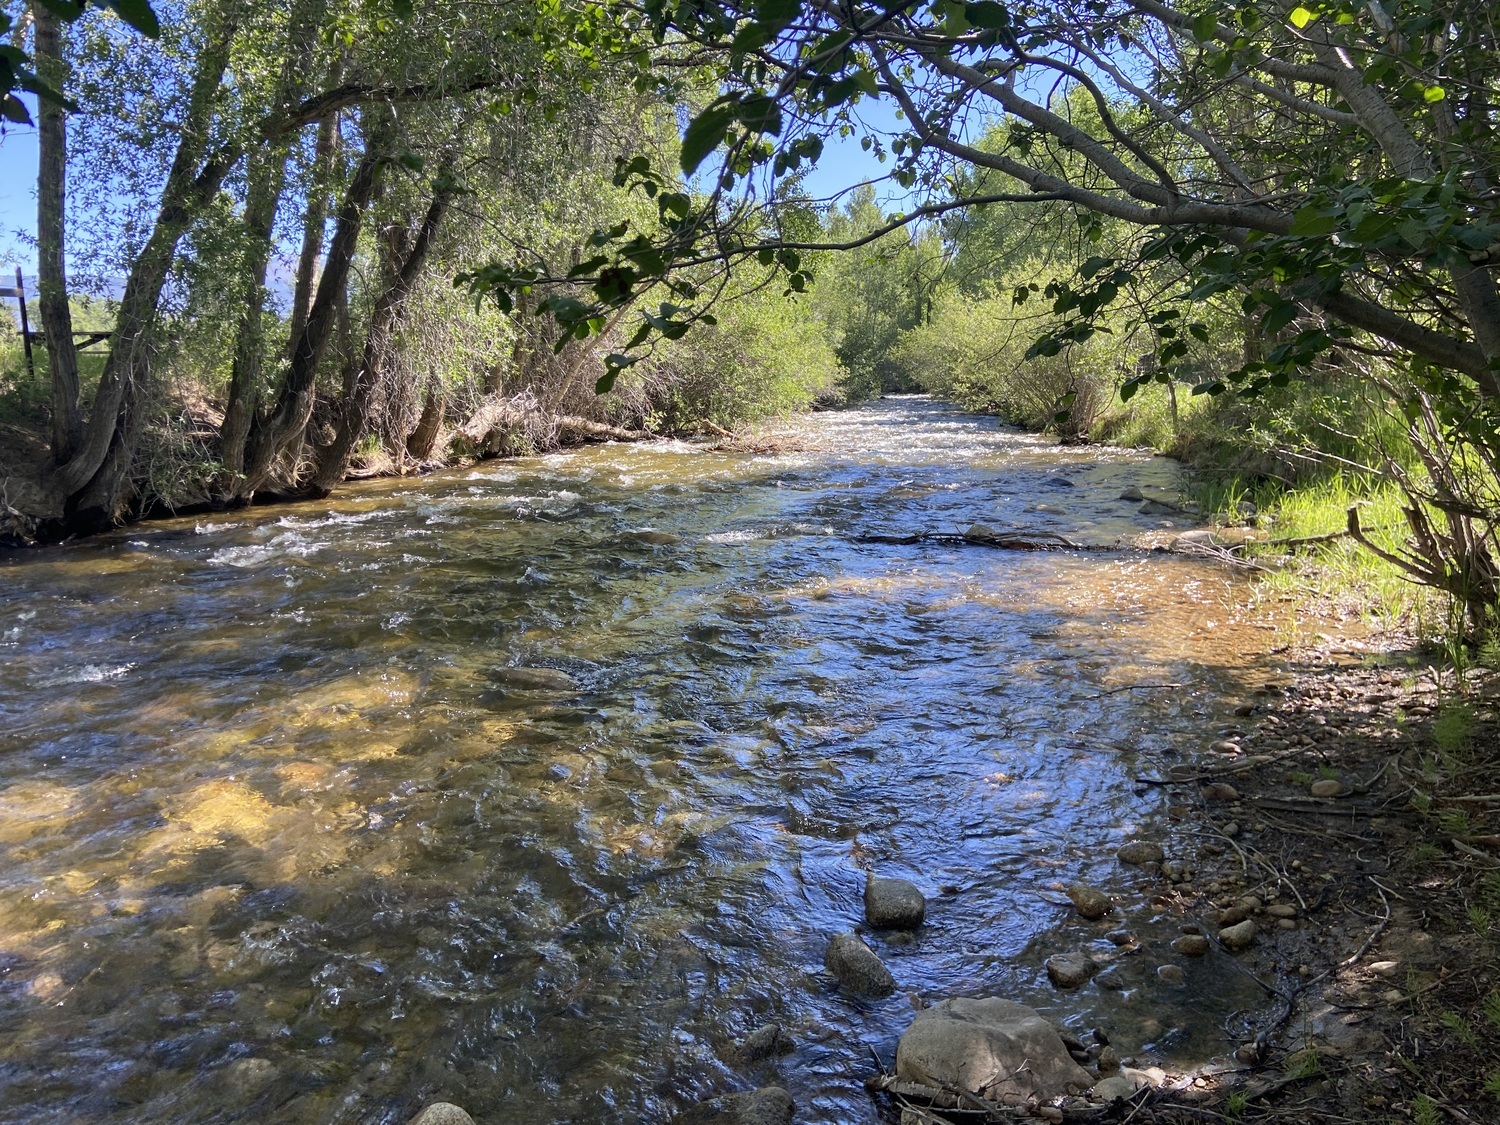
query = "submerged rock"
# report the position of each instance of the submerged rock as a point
(524, 678)
(246, 1078)
(764, 1043)
(1069, 970)
(1192, 945)
(893, 904)
(1140, 852)
(442, 1113)
(770, 1105)
(857, 967)
(1090, 901)
(995, 1048)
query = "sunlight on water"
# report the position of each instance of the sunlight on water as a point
(536, 785)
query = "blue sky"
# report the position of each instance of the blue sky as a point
(17, 196)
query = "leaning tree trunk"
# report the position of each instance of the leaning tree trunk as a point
(51, 239)
(276, 432)
(390, 308)
(95, 471)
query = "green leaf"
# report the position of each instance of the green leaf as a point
(1206, 27)
(138, 14)
(987, 14)
(760, 113)
(1093, 266)
(12, 109)
(1278, 317)
(1434, 94)
(704, 134)
(1313, 222)
(1301, 17)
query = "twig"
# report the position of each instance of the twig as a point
(1133, 687)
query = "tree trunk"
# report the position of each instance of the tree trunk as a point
(274, 433)
(325, 153)
(107, 445)
(354, 410)
(266, 179)
(51, 241)
(420, 441)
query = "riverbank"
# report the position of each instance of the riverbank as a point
(1352, 816)
(1341, 843)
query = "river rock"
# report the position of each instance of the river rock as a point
(1069, 970)
(1220, 791)
(1238, 936)
(246, 1078)
(764, 1043)
(1191, 945)
(770, 1105)
(857, 967)
(1171, 974)
(1114, 978)
(981, 533)
(995, 1048)
(1141, 852)
(442, 1113)
(893, 904)
(525, 678)
(1090, 901)
(1115, 1086)
(1326, 787)
(1133, 493)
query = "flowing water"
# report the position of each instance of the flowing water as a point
(281, 841)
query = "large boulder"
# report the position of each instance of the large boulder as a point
(893, 904)
(770, 1105)
(994, 1048)
(857, 967)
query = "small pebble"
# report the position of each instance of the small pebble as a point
(1191, 945)
(1326, 787)
(1171, 974)
(1220, 791)
(1385, 969)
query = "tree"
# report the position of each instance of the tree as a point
(1330, 165)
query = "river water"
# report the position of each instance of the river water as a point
(279, 840)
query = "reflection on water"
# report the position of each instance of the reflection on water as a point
(278, 844)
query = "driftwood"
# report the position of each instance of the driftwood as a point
(584, 429)
(1019, 541)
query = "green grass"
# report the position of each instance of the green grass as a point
(1338, 575)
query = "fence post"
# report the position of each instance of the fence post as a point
(25, 325)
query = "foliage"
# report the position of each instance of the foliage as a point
(766, 355)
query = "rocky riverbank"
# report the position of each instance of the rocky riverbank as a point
(1337, 845)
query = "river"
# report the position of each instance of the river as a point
(279, 844)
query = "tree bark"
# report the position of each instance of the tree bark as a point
(274, 433)
(267, 178)
(51, 240)
(325, 153)
(390, 308)
(109, 435)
